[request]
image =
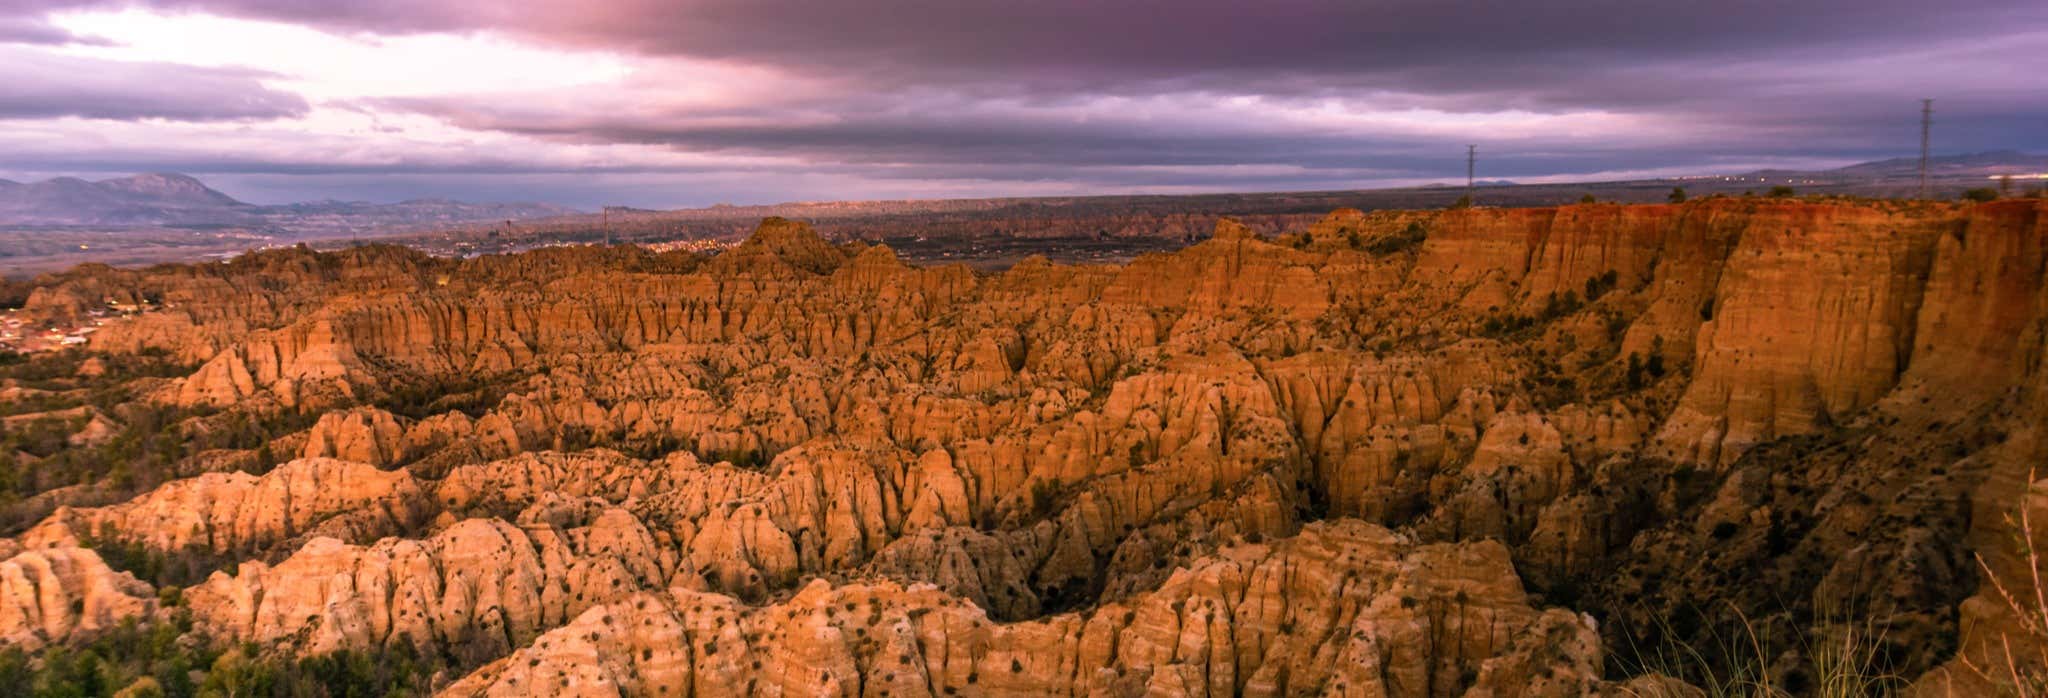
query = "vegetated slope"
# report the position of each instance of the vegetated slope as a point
(1476, 451)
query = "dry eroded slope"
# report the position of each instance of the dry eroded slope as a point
(1474, 452)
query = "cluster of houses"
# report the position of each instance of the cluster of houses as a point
(18, 334)
(699, 245)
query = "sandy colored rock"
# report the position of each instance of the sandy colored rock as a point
(49, 594)
(239, 513)
(1315, 611)
(1743, 405)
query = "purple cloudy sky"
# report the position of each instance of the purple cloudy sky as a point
(651, 103)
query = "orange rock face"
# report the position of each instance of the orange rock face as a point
(1320, 611)
(53, 594)
(1465, 452)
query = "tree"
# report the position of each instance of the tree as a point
(1588, 199)
(1981, 194)
(1677, 195)
(1463, 202)
(1781, 192)
(235, 674)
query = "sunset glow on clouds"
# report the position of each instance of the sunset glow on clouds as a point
(670, 104)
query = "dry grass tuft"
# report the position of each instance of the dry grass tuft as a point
(2022, 671)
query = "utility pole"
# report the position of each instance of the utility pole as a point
(1471, 161)
(1926, 126)
(607, 224)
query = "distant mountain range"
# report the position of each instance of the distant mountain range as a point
(1476, 183)
(1986, 164)
(166, 200)
(180, 201)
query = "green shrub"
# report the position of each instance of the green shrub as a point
(1407, 239)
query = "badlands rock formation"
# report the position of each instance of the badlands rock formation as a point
(48, 595)
(1471, 452)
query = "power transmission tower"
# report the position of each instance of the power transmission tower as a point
(607, 224)
(1471, 161)
(1926, 126)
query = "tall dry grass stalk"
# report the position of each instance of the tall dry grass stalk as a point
(1742, 671)
(1851, 663)
(2023, 670)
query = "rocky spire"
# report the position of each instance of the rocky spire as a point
(789, 242)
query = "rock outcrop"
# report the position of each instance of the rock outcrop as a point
(1360, 458)
(242, 514)
(481, 586)
(1320, 613)
(49, 594)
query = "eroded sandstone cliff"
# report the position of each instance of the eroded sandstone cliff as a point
(1476, 451)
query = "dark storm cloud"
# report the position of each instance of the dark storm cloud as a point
(1793, 73)
(1006, 91)
(32, 30)
(41, 85)
(864, 131)
(1088, 45)
(952, 137)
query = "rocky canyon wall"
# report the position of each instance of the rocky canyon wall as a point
(1461, 452)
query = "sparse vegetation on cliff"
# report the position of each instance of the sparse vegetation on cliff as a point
(1403, 449)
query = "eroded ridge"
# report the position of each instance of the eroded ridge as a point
(1478, 451)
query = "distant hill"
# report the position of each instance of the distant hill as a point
(1985, 164)
(1476, 183)
(170, 190)
(141, 199)
(181, 201)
